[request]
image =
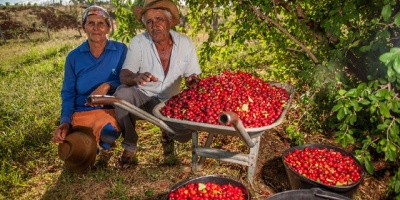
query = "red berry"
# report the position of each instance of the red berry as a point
(256, 102)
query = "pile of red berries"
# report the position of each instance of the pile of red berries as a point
(324, 165)
(211, 191)
(255, 101)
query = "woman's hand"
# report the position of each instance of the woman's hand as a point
(61, 132)
(101, 90)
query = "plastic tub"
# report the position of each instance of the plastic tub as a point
(307, 194)
(298, 181)
(213, 179)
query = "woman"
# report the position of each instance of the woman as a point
(92, 69)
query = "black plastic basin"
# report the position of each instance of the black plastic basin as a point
(211, 179)
(307, 194)
(297, 181)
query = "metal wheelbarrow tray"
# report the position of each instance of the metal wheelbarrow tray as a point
(250, 136)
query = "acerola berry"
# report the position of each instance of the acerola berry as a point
(254, 100)
(207, 190)
(324, 165)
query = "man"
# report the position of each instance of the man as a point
(155, 64)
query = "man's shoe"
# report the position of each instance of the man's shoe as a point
(167, 144)
(127, 159)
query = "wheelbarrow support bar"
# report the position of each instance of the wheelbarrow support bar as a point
(232, 118)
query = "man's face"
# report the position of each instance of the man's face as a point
(157, 24)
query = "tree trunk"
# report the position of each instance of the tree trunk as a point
(47, 29)
(3, 37)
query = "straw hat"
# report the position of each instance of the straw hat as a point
(157, 4)
(78, 150)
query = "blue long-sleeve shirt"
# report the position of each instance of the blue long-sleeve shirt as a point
(83, 73)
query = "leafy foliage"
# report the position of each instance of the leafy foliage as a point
(341, 56)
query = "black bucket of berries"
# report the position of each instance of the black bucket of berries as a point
(307, 194)
(208, 187)
(323, 166)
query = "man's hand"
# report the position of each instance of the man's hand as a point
(143, 78)
(61, 132)
(192, 80)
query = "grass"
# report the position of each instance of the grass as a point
(31, 77)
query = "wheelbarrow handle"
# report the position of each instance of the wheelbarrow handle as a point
(232, 118)
(102, 99)
(117, 102)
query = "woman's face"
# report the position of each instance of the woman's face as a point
(96, 28)
(157, 24)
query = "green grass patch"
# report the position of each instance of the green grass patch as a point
(31, 78)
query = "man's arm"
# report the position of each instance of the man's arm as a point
(129, 78)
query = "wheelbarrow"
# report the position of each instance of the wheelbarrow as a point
(250, 136)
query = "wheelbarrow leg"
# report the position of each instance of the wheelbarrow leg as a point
(195, 140)
(206, 145)
(253, 157)
(198, 165)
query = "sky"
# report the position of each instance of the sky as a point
(12, 2)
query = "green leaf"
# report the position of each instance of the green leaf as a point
(397, 186)
(394, 130)
(365, 102)
(368, 166)
(202, 186)
(353, 119)
(392, 147)
(351, 93)
(390, 73)
(397, 19)
(372, 108)
(396, 65)
(384, 110)
(342, 92)
(386, 12)
(386, 58)
(245, 107)
(382, 126)
(365, 48)
(381, 93)
(350, 139)
(336, 108)
(340, 114)
(390, 154)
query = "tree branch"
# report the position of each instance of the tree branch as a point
(283, 30)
